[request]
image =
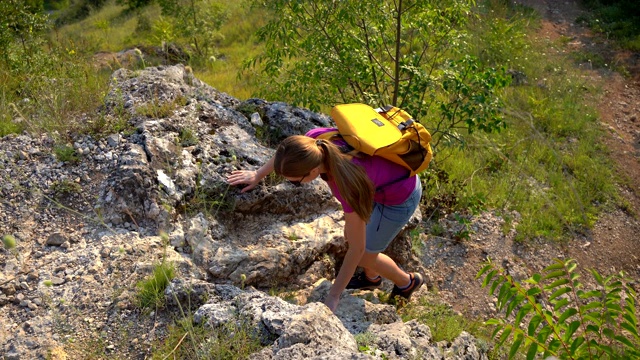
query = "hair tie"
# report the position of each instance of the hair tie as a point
(319, 142)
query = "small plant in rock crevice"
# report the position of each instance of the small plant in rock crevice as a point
(66, 153)
(151, 290)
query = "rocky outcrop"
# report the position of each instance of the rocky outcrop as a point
(87, 213)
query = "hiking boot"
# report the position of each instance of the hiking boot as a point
(361, 281)
(416, 281)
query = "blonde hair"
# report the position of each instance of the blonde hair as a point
(297, 155)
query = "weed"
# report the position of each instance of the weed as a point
(187, 137)
(150, 293)
(417, 245)
(293, 237)
(156, 109)
(65, 187)
(444, 322)
(66, 153)
(232, 341)
(437, 229)
(365, 342)
(465, 231)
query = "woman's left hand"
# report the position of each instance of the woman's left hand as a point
(332, 302)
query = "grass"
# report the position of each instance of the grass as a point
(549, 163)
(150, 293)
(445, 324)
(617, 19)
(232, 341)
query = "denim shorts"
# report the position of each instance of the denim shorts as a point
(386, 221)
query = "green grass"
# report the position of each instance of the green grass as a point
(444, 322)
(617, 19)
(150, 293)
(549, 164)
(185, 340)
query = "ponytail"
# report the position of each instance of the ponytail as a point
(297, 155)
(352, 181)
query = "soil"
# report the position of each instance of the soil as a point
(613, 244)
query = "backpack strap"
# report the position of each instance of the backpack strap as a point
(337, 140)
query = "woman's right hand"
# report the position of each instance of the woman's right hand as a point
(249, 177)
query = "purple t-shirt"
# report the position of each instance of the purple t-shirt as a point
(381, 172)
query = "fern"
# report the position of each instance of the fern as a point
(552, 314)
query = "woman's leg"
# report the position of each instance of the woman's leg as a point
(375, 264)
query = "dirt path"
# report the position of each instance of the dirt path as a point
(614, 243)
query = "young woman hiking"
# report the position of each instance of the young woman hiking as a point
(374, 213)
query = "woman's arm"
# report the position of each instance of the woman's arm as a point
(355, 233)
(251, 177)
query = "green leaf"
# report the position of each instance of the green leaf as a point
(493, 322)
(559, 292)
(533, 350)
(591, 305)
(630, 318)
(597, 276)
(554, 274)
(576, 344)
(557, 283)
(483, 270)
(533, 324)
(515, 346)
(571, 266)
(524, 310)
(593, 328)
(590, 294)
(533, 291)
(543, 334)
(554, 345)
(9, 241)
(558, 265)
(495, 285)
(560, 304)
(488, 278)
(515, 301)
(625, 341)
(630, 328)
(505, 334)
(608, 333)
(571, 329)
(567, 314)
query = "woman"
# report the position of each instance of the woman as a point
(377, 198)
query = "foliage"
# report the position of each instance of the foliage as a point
(444, 322)
(65, 153)
(319, 53)
(552, 313)
(198, 21)
(134, 4)
(233, 340)
(618, 19)
(21, 23)
(76, 10)
(151, 290)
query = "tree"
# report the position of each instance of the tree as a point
(400, 52)
(21, 24)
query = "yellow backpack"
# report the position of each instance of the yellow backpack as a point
(388, 132)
